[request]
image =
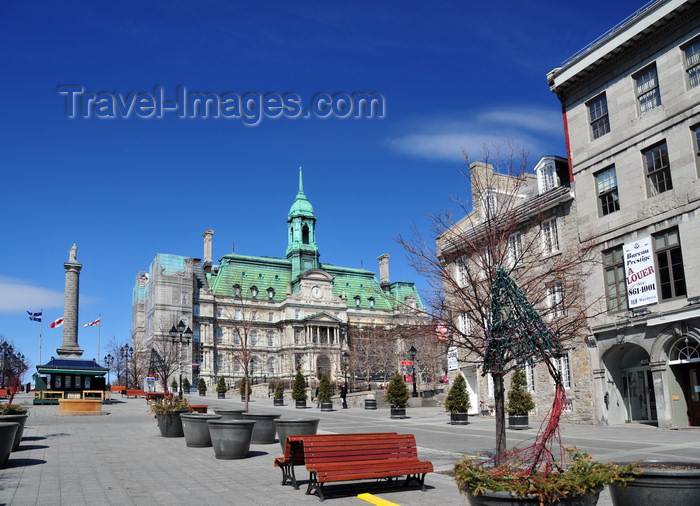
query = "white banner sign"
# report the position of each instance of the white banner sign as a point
(640, 272)
(452, 359)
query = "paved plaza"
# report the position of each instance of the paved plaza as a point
(120, 458)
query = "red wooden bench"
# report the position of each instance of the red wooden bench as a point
(294, 453)
(134, 392)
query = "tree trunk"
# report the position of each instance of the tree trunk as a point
(499, 400)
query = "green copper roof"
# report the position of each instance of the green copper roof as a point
(301, 205)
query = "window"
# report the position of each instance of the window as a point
(486, 261)
(658, 170)
(692, 62)
(270, 339)
(236, 338)
(218, 312)
(297, 314)
(648, 94)
(237, 314)
(218, 335)
(253, 291)
(598, 110)
(254, 315)
(669, 264)
(253, 337)
(465, 324)
(297, 336)
(561, 364)
(357, 301)
(615, 283)
(608, 198)
(371, 302)
(515, 249)
(555, 300)
(489, 203)
(236, 290)
(546, 177)
(196, 309)
(270, 316)
(462, 274)
(271, 365)
(696, 143)
(550, 237)
(530, 376)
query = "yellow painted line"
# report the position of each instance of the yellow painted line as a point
(376, 500)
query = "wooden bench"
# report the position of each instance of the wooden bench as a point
(133, 392)
(155, 396)
(294, 452)
(199, 408)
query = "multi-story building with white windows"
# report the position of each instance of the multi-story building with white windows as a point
(526, 224)
(288, 313)
(631, 107)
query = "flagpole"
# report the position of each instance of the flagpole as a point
(99, 329)
(41, 322)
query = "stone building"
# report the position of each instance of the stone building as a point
(289, 313)
(525, 223)
(631, 107)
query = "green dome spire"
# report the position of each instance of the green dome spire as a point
(301, 205)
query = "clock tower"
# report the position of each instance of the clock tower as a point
(302, 250)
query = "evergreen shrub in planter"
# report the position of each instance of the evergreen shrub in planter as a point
(221, 388)
(241, 388)
(202, 387)
(457, 401)
(186, 386)
(299, 390)
(278, 394)
(396, 394)
(520, 401)
(325, 392)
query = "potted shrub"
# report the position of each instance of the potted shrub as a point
(520, 401)
(278, 394)
(186, 386)
(396, 395)
(457, 401)
(221, 388)
(578, 483)
(15, 413)
(167, 411)
(241, 389)
(202, 387)
(325, 392)
(299, 390)
(173, 385)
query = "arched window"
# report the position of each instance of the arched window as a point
(684, 350)
(323, 366)
(305, 234)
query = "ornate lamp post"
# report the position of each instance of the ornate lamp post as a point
(413, 352)
(345, 366)
(108, 360)
(6, 350)
(179, 335)
(127, 353)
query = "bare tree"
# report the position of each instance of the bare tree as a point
(504, 224)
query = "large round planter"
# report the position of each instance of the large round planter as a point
(170, 424)
(230, 414)
(8, 430)
(327, 406)
(230, 438)
(202, 393)
(264, 430)
(490, 498)
(300, 404)
(21, 419)
(278, 402)
(459, 418)
(398, 413)
(295, 427)
(518, 422)
(221, 395)
(196, 430)
(668, 482)
(370, 403)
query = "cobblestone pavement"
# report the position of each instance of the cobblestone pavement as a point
(120, 458)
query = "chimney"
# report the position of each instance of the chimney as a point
(207, 249)
(384, 271)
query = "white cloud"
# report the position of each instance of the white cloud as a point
(532, 128)
(17, 296)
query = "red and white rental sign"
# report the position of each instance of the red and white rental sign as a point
(640, 272)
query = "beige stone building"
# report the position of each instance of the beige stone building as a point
(631, 103)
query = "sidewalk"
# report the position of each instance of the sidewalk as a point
(120, 458)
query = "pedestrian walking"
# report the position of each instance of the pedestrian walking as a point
(343, 393)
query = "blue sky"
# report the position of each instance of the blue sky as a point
(454, 75)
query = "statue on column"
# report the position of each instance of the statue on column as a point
(73, 258)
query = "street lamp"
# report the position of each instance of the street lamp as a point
(180, 335)
(6, 350)
(108, 360)
(345, 366)
(127, 353)
(413, 352)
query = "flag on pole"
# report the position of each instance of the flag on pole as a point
(35, 317)
(56, 323)
(92, 324)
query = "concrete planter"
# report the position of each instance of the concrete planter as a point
(278, 402)
(231, 438)
(170, 424)
(230, 414)
(21, 419)
(490, 498)
(518, 422)
(459, 418)
(327, 406)
(221, 395)
(300, 404)
(264, 430)
(370, 403)
(398, 413)
(196, 430)
(295, 427)
(667, 482)
(8, 430)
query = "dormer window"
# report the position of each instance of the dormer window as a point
(371, 302)
(547, 177)
(489, 203)
(270, 293)
(253, 291)
(357, 301)
(236, 290)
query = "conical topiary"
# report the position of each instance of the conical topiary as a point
(221, 387)
(173, 384)
(457, 400)
(325, 390)
(519, 399)
(201, 385)
(396, 392)
(299, 387)
(279, 391)
(186, 385)
(241, 387)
